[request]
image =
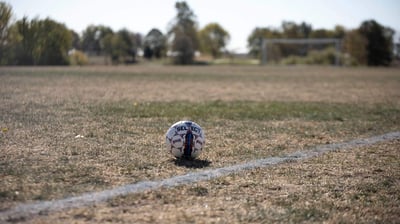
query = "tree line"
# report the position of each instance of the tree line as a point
(48, 42)
(369, 44)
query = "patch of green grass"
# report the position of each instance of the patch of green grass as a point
(249, 110)
(313, 214)
(177, 74)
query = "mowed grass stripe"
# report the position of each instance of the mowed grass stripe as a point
(239, 110)
(44, 207)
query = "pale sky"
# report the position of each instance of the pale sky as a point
(238, 17)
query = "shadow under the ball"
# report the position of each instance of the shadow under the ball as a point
(192, 163)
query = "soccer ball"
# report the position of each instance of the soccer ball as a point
(185, 139)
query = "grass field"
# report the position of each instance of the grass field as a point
(69, 130)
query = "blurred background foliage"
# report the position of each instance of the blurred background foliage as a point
(47, 42)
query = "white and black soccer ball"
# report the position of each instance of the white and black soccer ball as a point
(185, 139)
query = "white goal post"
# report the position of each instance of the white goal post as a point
(265, 42)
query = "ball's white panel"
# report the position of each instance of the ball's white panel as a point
(177, 141)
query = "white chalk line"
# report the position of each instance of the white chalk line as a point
(44, 207)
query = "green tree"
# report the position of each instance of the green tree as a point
(355, 45)
(322, 33)
(132, 41)
(184, 29)
(339, 32)
(76, 40)
(5, 34)
(293, 30)
(183, 47)
(42, 42)
(54, 40)
(288, 30)
(380, 43)
(107, 45)
(121, 47)
(5, 17)
(24, 47)
(213, 39)
(32, 42)
(92, 38)
(154, 44)
(254, 41)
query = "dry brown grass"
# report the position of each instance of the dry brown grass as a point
(42, 110)
(356, 186)
(155, 83)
